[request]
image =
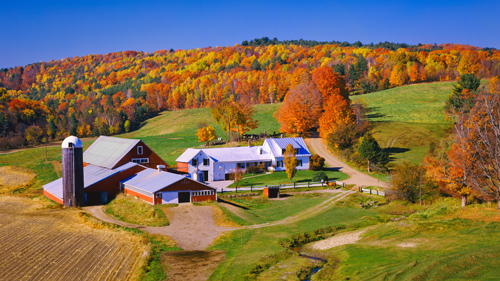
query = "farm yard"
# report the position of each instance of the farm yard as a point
(55, 244)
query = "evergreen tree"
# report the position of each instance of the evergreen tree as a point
(370, 151)
(463, 93)
(256, 65)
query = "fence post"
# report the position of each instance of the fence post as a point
(222, 190)
(377, 191)
(343, 184)
(293, 185)
(308, 184)
(370, 191)
(251, 188)
(236, 188)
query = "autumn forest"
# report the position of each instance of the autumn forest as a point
(113, 93)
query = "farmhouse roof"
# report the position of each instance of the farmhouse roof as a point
(277, 146)
(91, 175)
(151, 180)
(227, 154)
(107, 151)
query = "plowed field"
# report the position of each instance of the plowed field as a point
(41, 244)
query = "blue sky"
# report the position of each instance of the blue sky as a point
(33, 31)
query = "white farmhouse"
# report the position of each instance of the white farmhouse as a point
(213, 164)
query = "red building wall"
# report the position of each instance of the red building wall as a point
(112, 184)
(138, 195)
(52, 197)
(183, 167)
(154, 159)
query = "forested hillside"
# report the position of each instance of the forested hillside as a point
(113, 93)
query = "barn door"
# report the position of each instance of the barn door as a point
(184, 197)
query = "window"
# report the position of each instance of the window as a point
(206, 161)
(195, 161)
(299, 162)
(139, 150)
(158, 195)
(240, 165)
(283, 150)
(296, 151)
(140, 160)
(261, 151)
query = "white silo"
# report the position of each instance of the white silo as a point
(72, 172)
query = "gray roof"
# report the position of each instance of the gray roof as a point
(152, 180)
(227, 154)
(91, 175)
(277, 145)
(189, 154)
(107, 151)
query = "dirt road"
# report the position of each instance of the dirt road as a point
(356, 177)
(191, 227)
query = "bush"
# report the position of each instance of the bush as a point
(316, 162)
(253, 170)
(320, 176)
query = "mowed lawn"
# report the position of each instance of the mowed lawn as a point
(408, 119)
(260, 210)
(282, 178)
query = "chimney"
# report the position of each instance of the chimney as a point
(161, 168)
(281, 135)
(249, 143)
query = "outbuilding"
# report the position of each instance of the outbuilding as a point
(160, 187)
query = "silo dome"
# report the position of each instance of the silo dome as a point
(76, 142)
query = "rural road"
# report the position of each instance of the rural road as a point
(356, 177)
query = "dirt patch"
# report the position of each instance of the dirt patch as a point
(56, 244)
(339, 240)
(191, 265)
(220, 218)
(192, 227)
(407, 245)
(12, 178)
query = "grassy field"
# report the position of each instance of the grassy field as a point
(136, 211)
(281, 178)
(407, 119)
(441, 242)
(246, 248)
(170, 133)
(261, 210)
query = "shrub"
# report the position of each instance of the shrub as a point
(320, 176)
(316, 162)
(253, 170)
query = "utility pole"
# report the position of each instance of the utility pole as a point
(420, 188)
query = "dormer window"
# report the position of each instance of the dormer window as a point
(261, 151)
(139, 150)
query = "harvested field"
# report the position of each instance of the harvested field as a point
(191, 265)
(12, 178)
(44, 244)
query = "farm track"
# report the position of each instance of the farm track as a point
(55, 245)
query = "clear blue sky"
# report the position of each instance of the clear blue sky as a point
(33, 31)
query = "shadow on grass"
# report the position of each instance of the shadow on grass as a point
(231, 203)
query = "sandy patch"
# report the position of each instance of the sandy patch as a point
(191, 265)
(407, 245)
(339, 240)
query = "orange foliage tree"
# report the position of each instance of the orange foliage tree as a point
(337, 112)
(301, 109)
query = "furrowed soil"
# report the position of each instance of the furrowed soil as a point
(56, 244)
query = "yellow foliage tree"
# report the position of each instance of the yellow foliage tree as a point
(290, 162)
(206, 134)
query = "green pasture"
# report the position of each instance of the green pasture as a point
(407, 119)
(262, 210)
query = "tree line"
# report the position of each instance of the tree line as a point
(113, 93)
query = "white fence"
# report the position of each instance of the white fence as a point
(371, 191)
(285, 186)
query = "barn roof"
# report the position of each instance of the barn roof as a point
(227, 154)
(107, 151)
(91, 175)
(151, 180)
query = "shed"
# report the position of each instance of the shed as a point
(272, 192)
(160, 187)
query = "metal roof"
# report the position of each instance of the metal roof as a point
(151, 180)
(107, 151)
(91, 175)
(277, 145)
(227, 154)
(189, 154)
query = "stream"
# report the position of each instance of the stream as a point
(316, 269)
